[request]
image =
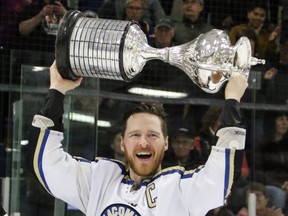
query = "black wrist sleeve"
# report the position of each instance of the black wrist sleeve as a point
(231, 115)
(53, 108)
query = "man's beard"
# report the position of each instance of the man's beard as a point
(145, 170)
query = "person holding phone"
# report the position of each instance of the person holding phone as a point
(38, 24)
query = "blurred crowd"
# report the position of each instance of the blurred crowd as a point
(32, 25)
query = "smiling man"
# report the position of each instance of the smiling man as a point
(108, 187)
(144, 141)
(266, 39)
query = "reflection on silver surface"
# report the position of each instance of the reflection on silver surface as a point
(209, 60)
(114, 49)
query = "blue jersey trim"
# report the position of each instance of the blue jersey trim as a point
(40, 157)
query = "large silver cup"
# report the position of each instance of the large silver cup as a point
(113, 49)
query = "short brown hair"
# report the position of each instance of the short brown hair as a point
(129, 1)
(256, 186)
(150, 108)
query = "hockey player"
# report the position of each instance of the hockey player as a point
(107, 187)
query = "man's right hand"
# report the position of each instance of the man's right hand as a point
(236, 87)
(60, 84)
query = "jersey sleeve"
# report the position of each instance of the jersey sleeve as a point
(62, 175)
(210, 185)
(207, 187)
(232, 134)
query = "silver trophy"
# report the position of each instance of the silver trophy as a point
(87, 46)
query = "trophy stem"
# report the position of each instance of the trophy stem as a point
(150, 53)
(137, 51)
(174, 57)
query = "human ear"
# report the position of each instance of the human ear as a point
(166, 143)
(122, 144)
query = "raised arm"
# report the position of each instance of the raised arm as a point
(53, 106)
(50, 161)
(230, 118)
(223, 166)
(232, 133)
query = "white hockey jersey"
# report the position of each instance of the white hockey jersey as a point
(103, 188)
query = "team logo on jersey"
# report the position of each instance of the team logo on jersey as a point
(120, 210)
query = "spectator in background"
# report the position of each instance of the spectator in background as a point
(115, 146)
(192, 24)
(262, 201)
(224, 14)
(183, 151)
(279, 94)
(134, 10)
(267, 46)
(38, 24)
(272, 149)
(221, 14)
(164, 33)
(115, 9)
(206, 135)
(271, 158)
(262, 83)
